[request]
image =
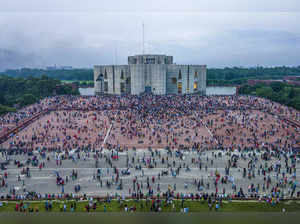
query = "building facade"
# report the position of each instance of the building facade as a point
(150, 74)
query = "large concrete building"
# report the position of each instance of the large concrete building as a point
(155, 74)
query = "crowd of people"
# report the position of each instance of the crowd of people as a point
(189, 121)
(258, 174)
(255, 137)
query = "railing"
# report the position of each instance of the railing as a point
(4, 137)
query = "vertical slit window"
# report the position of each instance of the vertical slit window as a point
(179, 75)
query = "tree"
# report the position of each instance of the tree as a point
(264, 92)
(2, 99)
(27, 99)
(277, 86)
(292, 93)
(4, 109)
(295, 102)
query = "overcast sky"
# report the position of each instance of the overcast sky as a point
(219, 33)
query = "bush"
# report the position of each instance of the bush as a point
(5, 109)
(26, 99)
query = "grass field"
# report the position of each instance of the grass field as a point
(142, 206)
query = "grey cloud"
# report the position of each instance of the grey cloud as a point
(83, 39)
(153, 5)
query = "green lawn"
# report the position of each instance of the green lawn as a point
(141, 206)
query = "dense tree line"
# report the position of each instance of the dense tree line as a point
(25, 91)
(277, 91)
(61, 74)
(215, 76)
(238, 75)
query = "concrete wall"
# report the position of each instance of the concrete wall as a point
(188, 78)
(200, 79)
(159, 76)
(96, 84)
(113, 78)
(153, 75)
(118, 71)
(108, 69)
(172, 72)
(203, 72)
(137, 79)
(184, 72)
(155, 59)
(158, 79)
